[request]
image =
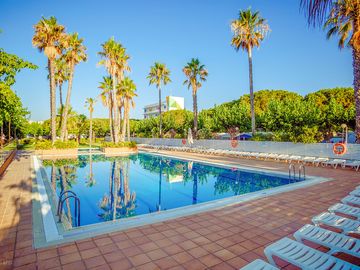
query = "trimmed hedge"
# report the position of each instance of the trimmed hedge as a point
(118, 145)
(47, 145)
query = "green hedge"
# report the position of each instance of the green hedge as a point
(47, 145)
(118, 145)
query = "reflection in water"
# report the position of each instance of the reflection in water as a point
(120, 202)
(143, 183)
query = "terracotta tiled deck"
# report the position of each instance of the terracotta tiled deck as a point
(227, 238)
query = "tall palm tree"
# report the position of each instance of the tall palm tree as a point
(89, 104)
(159, 74)
(106, 99)
(49, 38)
(110, 54)
(61, 76)
(126, 90)
(75, 53)
(195, 73)
(249, 30)
(342, 18)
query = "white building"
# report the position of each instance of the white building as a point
(170, 104)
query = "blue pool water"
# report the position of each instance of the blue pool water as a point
(112, 188)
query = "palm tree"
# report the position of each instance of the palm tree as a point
(126, 90)
(49, 38)
(61, 76)
(75, 53)
(249, 30)
(89, 104)
(195, 73)
(111, 51)
(342, 18)
(107, 101)
(159, 74)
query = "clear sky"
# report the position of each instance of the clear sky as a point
(293, 57)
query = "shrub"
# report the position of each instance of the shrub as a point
(118, 145)
(47, 145)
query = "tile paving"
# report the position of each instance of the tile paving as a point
(226, 238)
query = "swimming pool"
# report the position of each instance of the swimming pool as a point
(116, 188)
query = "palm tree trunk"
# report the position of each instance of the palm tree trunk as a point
(9, 130)
(252, 106)
(60, 95)
(356, 67)
(90, 135)
(115, 110)
(67, 104)
(160, 116)
(124, 125)
(52, 100)
(111, 123)
(195, 112)
(128, 122)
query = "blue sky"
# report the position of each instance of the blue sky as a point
(293, 57)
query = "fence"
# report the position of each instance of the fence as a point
(302, 149)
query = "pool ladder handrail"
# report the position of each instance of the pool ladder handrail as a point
(76, 202)
(301, 171)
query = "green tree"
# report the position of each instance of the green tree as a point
(107, 101)
(74, 54)
(195, 73)
(89, 104)
(249, 30)
(341, 18)
(49, 38)
(159, 74)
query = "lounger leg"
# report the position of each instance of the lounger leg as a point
(269, 257)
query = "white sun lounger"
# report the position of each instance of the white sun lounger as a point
(319, 161)
(345, 209)
(345, 224)
(336, 162)
(352, 200)
(294, 158)
(283, 157)
(355, 192)
(353, 164)
(304, 257)
(308, 159)
(336, 242)
(259, 265)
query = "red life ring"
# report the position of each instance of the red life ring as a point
(183, 141)
(234, 143)
(339, 148)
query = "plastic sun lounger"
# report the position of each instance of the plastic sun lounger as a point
(294, 158)
(352, 200)
(345, 224)
(336, 242)
(304, 257)
(336, 162)
(259, 265)
(283, 157)
(353, 164)
(355, 192)
(345, 209)
(308, 159)
(319, 161)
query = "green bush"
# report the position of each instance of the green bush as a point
(47, 145)
(43, 145)
(66, 145)
(118, 145)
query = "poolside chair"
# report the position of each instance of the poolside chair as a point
(335, 162)
(355, 164)
(352, 200)
(294, 158)
(283, 157)
(345, 209)
(355, 192)
(319, 161)
(308, 159)
(303, 256)
(259, 265)
(336, 242)
(345, 224)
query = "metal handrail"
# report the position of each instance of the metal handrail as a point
(292, 167)
(301, 169)
(60, 197)
(77, 208)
